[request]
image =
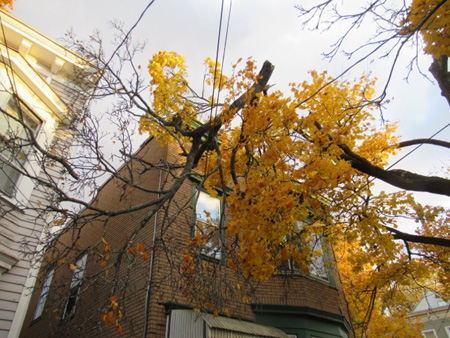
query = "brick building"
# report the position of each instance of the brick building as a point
(152, 291)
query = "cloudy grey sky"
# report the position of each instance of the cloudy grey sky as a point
(263, 29)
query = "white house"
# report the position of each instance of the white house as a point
(39, 101)
(434, 313)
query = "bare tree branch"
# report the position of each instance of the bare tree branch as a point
(398, 178)
(423, 141)
(418, 239)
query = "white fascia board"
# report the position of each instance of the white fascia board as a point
(57, 50)
(36, 83)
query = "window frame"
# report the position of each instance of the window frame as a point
(433, 331)
(219, 251)
(34, 92)
(76, 282)
(42, 300)
(289, 266)
(23, 164)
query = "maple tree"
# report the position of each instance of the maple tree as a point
(367, 283)
(307, 156)
(310, 156)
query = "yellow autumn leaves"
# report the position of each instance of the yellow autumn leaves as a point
(169, 91)
(6, 3)
(282, 159)
(280, 156)
(432, 18)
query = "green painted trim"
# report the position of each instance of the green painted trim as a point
(267, 309)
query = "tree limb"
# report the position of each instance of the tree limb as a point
(399, 178)
(424, 141)
(418, 238)
(211, 128)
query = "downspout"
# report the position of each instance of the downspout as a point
(150, 272)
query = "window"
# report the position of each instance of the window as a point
(429, 333)
(44, 293)
(207, 224)
(75, 287)
(16, 122)
(317, 266)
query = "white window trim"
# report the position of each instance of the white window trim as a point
(447, 329)
(25, 185)
(44, 294)
(75, 286)
(424, 332)
(17, 107)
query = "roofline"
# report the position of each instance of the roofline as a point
(39, 38)
(40, 87)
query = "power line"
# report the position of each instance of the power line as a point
(217, 54)
(417, 147)
(224, 51)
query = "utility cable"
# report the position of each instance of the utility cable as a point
(216, 59)
(417, 147)
(224, 52)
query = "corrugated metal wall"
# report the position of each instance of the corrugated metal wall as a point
(188, 324)
(185, 324)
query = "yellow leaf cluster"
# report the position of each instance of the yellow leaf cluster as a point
(105, 254)
(214, 76)
(169, 89)
(285, 155)
(6, 3)
(113, 315)
(380, 296)
(434, 25)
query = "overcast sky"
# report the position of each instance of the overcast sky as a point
(264, 29)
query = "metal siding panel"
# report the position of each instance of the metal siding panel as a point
(185, 324)
(239, 328)
(188, 324)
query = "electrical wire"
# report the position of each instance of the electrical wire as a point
(217, 56)
(417, 147)
(224, 53)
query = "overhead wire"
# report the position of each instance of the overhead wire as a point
(216, 59)
(223, 54)
(215, 79)
(215, 100)
(417, 147)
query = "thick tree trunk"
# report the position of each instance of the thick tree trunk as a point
(439, 69)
